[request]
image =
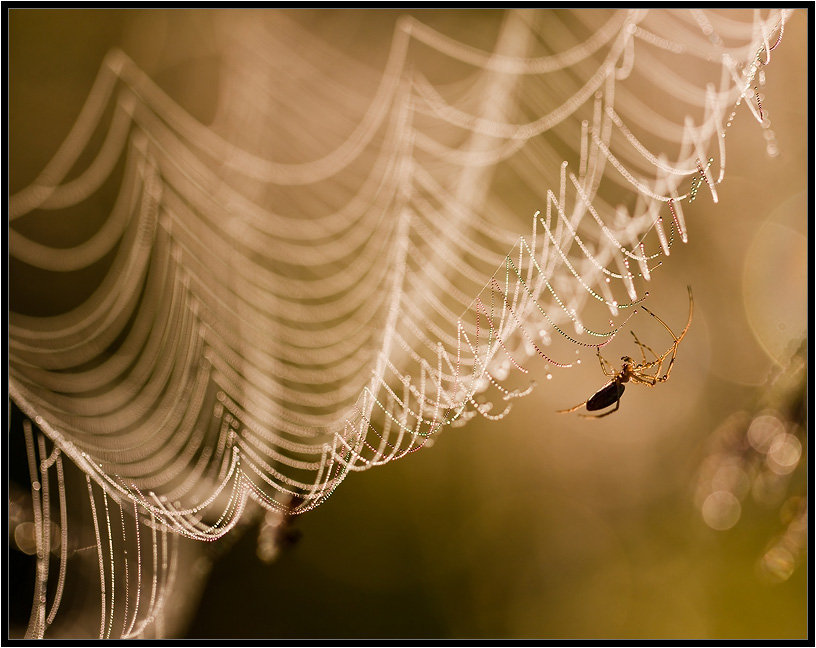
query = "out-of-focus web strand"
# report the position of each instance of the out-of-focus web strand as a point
(565, 258)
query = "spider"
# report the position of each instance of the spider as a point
(630, 371)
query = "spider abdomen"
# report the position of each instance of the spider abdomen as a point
(606, 396)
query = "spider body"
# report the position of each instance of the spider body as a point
(606, 396)
(646, 372)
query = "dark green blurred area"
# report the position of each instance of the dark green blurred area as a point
(541, 525)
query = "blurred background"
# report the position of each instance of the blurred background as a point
(683, 515)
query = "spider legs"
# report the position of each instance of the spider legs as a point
(606, 366)
(659, 359)
(642, 351)
(676, 339)
(646, 379)
(571, 409)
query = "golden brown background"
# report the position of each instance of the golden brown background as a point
(541, 525)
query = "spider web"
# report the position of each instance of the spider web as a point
(318, 281)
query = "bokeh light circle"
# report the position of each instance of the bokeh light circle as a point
(721, 510)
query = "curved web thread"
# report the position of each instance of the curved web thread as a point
(297, 294)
